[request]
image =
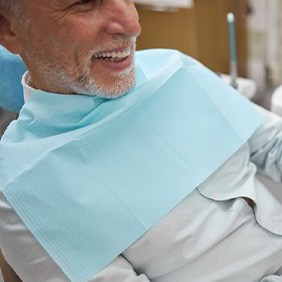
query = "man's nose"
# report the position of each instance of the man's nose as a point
(123, 18)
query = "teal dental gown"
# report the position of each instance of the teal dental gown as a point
(89, 176)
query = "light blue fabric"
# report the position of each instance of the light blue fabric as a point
(90, 176)
(12, 69)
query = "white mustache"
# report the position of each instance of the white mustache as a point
(115, 45)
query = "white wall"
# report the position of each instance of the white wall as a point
(264, 38)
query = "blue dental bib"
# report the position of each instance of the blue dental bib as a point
(89, 176)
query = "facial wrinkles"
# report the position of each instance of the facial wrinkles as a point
(81, 76)
(72, 71)
(85, 78)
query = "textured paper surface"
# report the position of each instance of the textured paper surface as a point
(90, 176)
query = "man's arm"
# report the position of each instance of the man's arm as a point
(120, 270)
(9, 274)
(266, 145)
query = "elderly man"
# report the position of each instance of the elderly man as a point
(126, 167)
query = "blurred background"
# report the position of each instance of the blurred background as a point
(199, 28)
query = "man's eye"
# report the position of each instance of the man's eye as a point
(87, 3)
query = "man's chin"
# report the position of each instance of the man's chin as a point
(109, 94)
(112, 89)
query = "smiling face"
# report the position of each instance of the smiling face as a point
(72, 46)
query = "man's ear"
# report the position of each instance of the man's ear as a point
(8, 38)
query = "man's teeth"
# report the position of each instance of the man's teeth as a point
(113, 56)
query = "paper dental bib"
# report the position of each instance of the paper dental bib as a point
(90, 176)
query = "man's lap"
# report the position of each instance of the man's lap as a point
(33, 264)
